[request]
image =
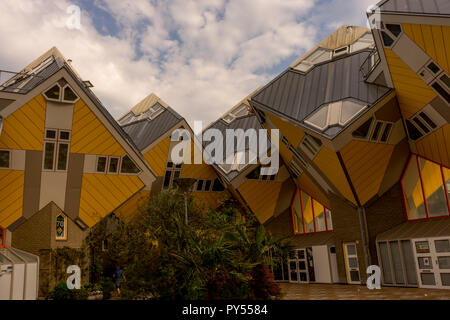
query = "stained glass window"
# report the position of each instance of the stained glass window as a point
(61, 227)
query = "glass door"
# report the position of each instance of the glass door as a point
(298, 266)
(442, 251)
(351, 263)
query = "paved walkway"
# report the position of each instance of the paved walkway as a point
(346, 292)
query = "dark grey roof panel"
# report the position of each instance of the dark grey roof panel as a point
(145, 132)
(427, 7)
(297, 95)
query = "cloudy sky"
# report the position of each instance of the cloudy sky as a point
(201, 57)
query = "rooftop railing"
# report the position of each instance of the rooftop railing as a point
(370, 63)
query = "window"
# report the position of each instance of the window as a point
(420, 125)
(101, 164)
(309, 215)
(262, 116)
(256, 175)
(113, 165)
(172, 173)
(217, 186)
(5, 159)
(380, 132)
(61, 227)
(425, 189)
(128, 166)
(61, 92)
(2, 237)
(391, 32)
(56, 149)
(311, 145)
(295, 167)
(363, 131)
(199, 186)
(336, 114)
(341, 51)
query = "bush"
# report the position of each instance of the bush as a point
(107, 288)
(262, 284)
(61, 292)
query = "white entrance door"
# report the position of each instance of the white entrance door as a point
(351, 263)
(298, 267)
(433, 262)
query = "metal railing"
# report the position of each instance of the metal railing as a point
(15, 81)
(370, 63)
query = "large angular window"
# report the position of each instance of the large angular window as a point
(425, 188)
(128, 166)
(61, 92)
(309, 215)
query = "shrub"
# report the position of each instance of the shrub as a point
(262, 284)
(107, 288)
(61, 292)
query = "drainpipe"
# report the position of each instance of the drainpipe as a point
(364, 234)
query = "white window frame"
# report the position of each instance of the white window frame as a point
(57, 141)
(310, 140)
(109, 165)
(126, 173)
(172, 170)
(106, 164)
(390, 34)
(61, 93)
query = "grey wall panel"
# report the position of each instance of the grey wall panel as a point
(73, 186)
(32, 183)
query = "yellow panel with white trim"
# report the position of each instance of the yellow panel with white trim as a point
(412, 92)
(292, 133)
(306, 184)
(101, 194)
(432, 40)
(11, 196)
(366, 165)
(24, 128)
(261, 197)
(90, 136)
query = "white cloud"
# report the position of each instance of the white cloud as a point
(201, 56)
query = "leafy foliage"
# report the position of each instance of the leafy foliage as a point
(218, 255)
(61, 292)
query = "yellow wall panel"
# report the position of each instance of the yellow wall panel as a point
(292, 133)
(129, 209)
(101, 194)
(24, 128)
(329, 164)
(436, 146)
(261, 197)
(412, 92)
(366, 164)
(306, 184)
(198, 171)
(11, 196)
(89, 135)
(432, 40)
(205, 200)
(157, 157)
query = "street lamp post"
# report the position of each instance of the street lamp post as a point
(185, 185)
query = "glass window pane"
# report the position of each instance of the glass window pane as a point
(60, 227)
(351, 249)
(128, 166)
(113, 165)
(297, 214)
(428, 279)
(445, 279)
(349, 110)
(363, 131)
(167, 177)
(319, 118)
(62, 156)
(447, 180)
(64, 135)
(433, 188)
(385, 264)
(4, 159)
(207, 185)
(444, 262)
(307, 212)
(425, 262)
(408, 257)
(442, 246)
(50, 134)
(397, 262)
(53, 93)
(354, 275)
(217, 186)
(69, 95)
(413, 192)
(329, 220)
(353, 262)
(49, 155)
(199, 185)
(319, 216)
(101, 164)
